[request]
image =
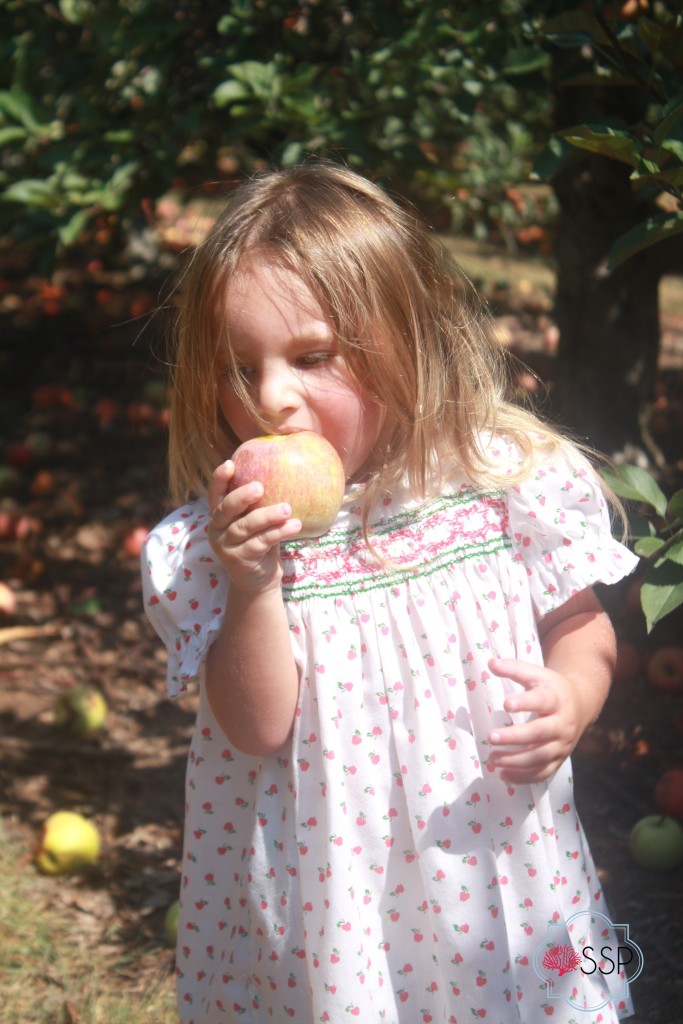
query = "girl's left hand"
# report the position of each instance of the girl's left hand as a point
(543, 743)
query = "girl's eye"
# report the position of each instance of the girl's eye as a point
(315, 358)
(241, 371)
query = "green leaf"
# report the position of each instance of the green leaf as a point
(260, 78)
(662, 591)
(71, 231)
(615, 143)
(119, 136)
(575, 28)
(229, 92)
(75, 11)
(553, 159)
(525, 60)
(648, 232)
(675, 507)
(635, 484)
(647, 546)
(12, 133)
(32, 192)
(671, 114)
(639, 525)
(675, 553)
(19, 106)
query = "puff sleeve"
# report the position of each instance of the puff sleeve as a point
(184, 591)
(561, 531)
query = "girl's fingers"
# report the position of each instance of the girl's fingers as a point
(233, 505)
(528, 735)
(270, 538)
(523, 672)
(218, 485)
(257, 522)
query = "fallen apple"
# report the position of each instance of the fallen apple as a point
(668, 794)
(68, 842)
(171, 923)
(302, 469)
(133, 541)
(656, 842)
(80, 711)
(665, 669)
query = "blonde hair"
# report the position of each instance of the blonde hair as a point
(413, 333)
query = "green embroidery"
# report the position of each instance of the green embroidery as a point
(413, 517)
(380, 577)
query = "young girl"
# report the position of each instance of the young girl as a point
(380, 822)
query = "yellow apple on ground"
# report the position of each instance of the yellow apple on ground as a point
(171, 923)
(656, 842)
(302, 469)
(81, 711)
(68, 842)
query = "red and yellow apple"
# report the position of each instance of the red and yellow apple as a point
(302, 469)
(665, 669)
(656, 842)
(668, 794)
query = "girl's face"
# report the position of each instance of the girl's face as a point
(287, 355)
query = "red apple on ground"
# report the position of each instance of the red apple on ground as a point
(133, 541)
(668, 795)
(656, 842)
(302, 469)
(665, 669)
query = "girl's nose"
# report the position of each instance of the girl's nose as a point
(277, 394)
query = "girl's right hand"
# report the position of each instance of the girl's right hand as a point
(247, 542)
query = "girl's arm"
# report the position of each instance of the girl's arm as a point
(251, 680)
(565, 694)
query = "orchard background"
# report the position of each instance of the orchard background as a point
(545, 141)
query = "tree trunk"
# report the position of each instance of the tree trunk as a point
(608, 321)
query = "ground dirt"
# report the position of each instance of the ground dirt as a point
(102, 473)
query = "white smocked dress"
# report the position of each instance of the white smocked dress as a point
(377, 868)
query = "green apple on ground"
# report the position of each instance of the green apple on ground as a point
(656, 842)
(665, 669)
(302, 469)
(171, 923)
(80, 711)
(668, 795)
(68, 842)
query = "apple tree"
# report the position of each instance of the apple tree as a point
(105, 105)
(656, 535)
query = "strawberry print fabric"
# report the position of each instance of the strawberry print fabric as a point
(377, 869)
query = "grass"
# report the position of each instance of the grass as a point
(51, 971)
